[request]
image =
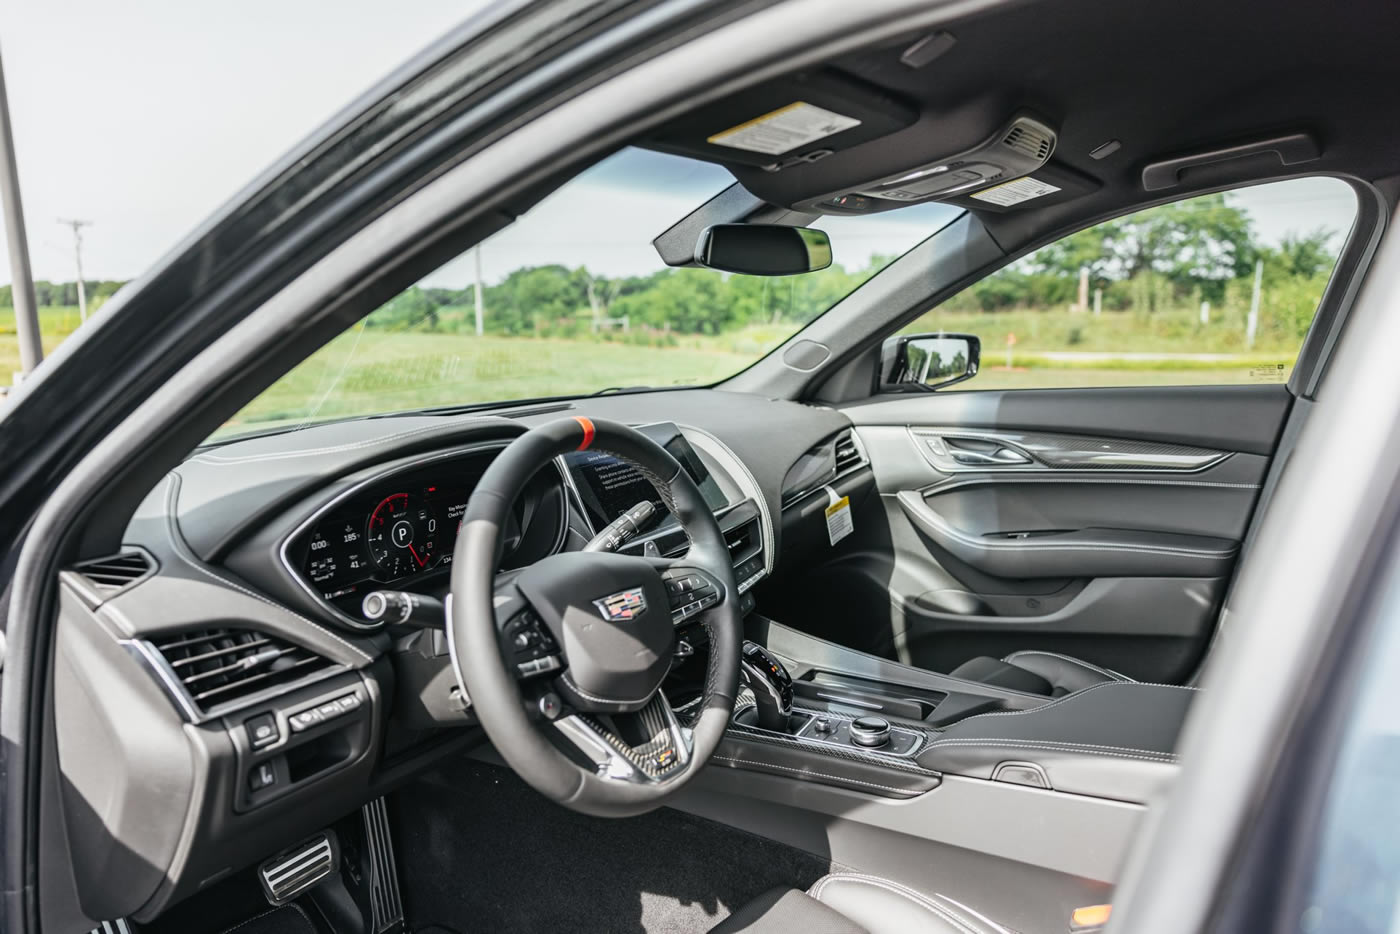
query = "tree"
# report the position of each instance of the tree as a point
(1305, 255)
(1201, 243)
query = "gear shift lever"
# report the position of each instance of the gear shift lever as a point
(771, 684)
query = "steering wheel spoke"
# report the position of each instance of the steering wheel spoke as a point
(649, 746)
(525, 639)
(690, 590)
(565, 659)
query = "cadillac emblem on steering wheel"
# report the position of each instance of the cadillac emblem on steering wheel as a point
(623, 605)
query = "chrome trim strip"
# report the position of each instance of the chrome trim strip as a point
(320, 511)
(148, 656)
(452, 652)
(921, 738)
(1071, 451)
(739, 472)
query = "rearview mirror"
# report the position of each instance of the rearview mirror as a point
(928, 361)
(763, 249)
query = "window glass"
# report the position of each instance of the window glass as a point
(1356, 881)
(1211, 290)
(574, 299)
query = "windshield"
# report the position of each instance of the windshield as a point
(573, 299)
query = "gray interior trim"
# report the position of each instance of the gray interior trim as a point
(1348, 275)
(1045, 451)
(1074, 834)
(1226, 418)
(1079, 553)
(1312, 554)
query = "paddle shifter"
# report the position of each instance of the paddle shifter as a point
(771, 684)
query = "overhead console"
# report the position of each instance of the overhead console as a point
(829, 142)
(1006, 158)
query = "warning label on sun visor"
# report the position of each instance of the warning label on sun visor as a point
(1016, 191)
(784, 129)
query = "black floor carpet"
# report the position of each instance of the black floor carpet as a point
(289, 919)
(478, 851)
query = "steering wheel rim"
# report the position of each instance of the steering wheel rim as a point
(608, 667)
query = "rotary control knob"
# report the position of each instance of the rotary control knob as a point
(870, 731)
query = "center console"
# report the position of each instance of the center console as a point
(841, 718)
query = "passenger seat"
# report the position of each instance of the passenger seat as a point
(852, 903)
(1036, 672)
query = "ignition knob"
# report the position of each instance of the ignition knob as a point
(870, 731)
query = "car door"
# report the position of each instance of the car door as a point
(1088, 502)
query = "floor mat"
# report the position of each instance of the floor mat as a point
(478, 851)
(289, 919)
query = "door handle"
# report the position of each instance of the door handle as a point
(999, 457)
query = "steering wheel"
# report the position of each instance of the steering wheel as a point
(563, 660)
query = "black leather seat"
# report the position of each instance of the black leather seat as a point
(851, 903)
(1036, 672)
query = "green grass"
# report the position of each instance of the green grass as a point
(370, 370)
(1170, 331)
(389, 371)
(54, 325)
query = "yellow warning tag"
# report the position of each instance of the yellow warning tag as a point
(784, 129)
(839, 522)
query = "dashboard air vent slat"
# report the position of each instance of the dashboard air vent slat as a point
(848, 454)
(222, 666)
(115, 571)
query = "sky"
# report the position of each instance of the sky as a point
(145, 116)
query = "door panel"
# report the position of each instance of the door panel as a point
(1098, 523)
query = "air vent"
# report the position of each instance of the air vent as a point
(219, 667)
(1025, 139)
(848, 455)
(117, 571)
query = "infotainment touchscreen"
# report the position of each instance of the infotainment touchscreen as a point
(609, 487)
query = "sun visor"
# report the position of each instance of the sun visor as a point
(792, 120)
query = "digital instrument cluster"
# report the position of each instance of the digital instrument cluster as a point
(403, 527)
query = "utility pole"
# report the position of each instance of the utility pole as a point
(480, 311)
(1252, 323)
(31, 350)
(78, 256)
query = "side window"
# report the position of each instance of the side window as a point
(1216, 289)
(1355, 884)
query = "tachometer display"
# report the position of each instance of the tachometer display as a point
(402, 534)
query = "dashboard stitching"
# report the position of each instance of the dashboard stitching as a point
(1010, 659)
(193, 561)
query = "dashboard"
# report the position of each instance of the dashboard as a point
(233, 674)
(397, 530)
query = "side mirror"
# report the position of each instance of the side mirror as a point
(763, 249)
(914, 362)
